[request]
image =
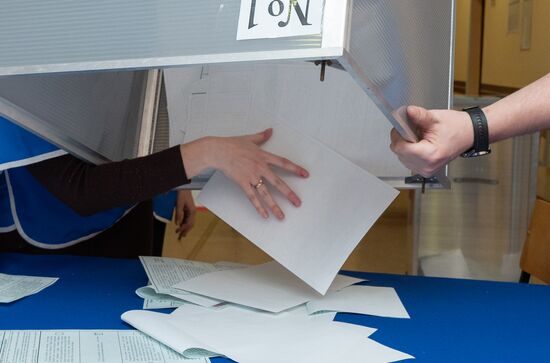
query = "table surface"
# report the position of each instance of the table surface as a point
(452, 320)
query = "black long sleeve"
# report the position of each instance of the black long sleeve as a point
(89, 189)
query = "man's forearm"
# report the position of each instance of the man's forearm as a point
(523, 112)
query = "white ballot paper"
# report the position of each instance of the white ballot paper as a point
(367, 300)
(84, 346)
(329, 316)
(165, 272)
(14, 287)
(269, 287)
(154, 300)
(340, 203)
(341, 282)
(249, 337)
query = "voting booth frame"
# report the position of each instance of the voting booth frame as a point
(390, 48)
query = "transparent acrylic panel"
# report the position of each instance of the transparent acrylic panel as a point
(95, 116)
(229, 100)
(482, 222)
(477, 229)
(68, 35)
(400, 52)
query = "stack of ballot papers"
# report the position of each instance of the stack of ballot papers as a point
(340, 203)
(164, 273)
(267, 287)
(264, 313)
(13, 287)
(270, 287)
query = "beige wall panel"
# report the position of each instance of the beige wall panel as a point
(504, 64)
(462, 39)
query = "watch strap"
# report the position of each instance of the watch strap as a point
(481, 133)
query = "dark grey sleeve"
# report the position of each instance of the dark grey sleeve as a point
(88, 189)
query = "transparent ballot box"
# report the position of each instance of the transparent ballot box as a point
(98, 78)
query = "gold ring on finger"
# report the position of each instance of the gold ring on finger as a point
(259, 184)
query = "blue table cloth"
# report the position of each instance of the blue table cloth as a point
(452, 320)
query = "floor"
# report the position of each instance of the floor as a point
(385, 248)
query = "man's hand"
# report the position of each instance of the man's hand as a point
(445, 134)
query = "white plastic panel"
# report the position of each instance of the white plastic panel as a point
(73, 35)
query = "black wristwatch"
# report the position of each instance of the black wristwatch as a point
(481, 133)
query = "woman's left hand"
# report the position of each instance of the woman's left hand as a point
(185, 213)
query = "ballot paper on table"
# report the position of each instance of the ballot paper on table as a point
(340, 203)
(84, 346)
(164, 272)
(154, 300)
(250, 336)
(302, 311)
(269, 287)
(367, 300)
(14, 287)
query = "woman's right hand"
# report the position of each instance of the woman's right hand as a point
(242, 160)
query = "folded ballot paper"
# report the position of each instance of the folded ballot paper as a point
(340, 203)
(154, 300)
(164, 272)
(249, 336)
(13, 287)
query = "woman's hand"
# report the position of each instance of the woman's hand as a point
(185, 213)
(242, 160)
